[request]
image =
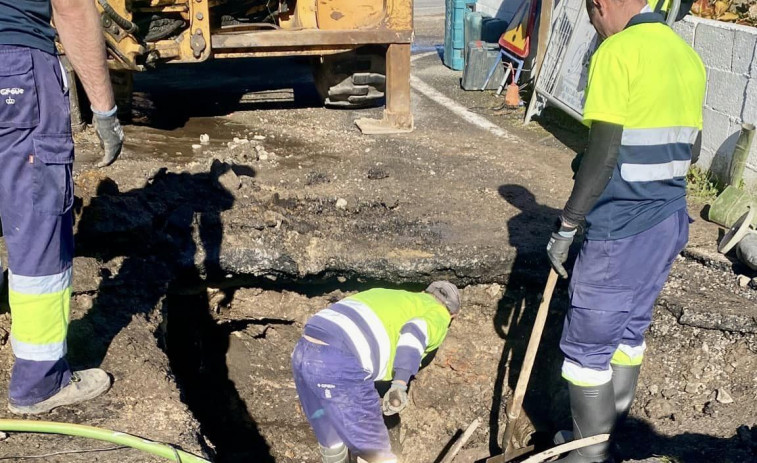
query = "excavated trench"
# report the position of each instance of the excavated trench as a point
(208, 349)
(229, 350)
(229, 346)
(197, 345)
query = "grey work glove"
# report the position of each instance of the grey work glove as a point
(558, 247)
(395, 400)
(110, 133)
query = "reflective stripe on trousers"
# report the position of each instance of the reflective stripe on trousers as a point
(40, 308)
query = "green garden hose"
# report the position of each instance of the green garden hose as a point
(120, 438)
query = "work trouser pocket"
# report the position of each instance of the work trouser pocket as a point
(52, 164)
(19, 107)
(599, 314)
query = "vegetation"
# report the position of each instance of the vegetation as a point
(702, 186)
(736, 11)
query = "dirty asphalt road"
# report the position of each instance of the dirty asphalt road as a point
(196, 269)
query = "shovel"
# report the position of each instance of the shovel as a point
(516, 404)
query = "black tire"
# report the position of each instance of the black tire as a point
(355, 79)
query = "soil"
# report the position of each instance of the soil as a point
(197, 268)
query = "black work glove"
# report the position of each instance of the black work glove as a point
(558, 247)
(395, 400)
(110, 133)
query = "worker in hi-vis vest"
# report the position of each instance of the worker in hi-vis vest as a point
(375, 335)
(37, 188)
(643, 105)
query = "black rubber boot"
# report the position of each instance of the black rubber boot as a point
(624, 381)
(593, 410)
(334, 455)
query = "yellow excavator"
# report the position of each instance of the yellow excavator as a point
(360, 48)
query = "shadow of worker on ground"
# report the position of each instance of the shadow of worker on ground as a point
(638, 440)
(169, 233)
(528, 233)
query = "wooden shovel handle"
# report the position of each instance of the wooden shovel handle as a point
(516, 404)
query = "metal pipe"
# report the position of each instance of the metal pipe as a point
(675, 7)
(740, 154)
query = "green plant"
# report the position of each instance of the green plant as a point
(701, 185)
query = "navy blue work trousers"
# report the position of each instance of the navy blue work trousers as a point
(339, 400)
(613, 289)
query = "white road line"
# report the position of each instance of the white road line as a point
(463, 112)
(423, 55)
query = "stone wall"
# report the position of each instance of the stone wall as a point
(728, 52)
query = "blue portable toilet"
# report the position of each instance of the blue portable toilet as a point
(454, 32)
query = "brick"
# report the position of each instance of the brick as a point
(714, 45)
(749, 113)
(744, 52)
(716, 127)
(685, 29)
(725, 91)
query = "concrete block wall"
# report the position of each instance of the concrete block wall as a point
(728, 52)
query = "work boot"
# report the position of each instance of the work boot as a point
(624, 380)
(593, 410)
(334, 455)
(84, 385)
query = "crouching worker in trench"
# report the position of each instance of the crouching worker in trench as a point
(375, 335)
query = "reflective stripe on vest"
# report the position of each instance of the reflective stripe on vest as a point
(354, 333)
(414, 335)
(654, 172)
(377, 330)
(643, 144)
(659, 136)
(422, 327)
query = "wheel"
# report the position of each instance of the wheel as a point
(355, 79)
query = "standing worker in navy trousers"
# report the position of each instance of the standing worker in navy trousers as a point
(644, 107)
(36, 188)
